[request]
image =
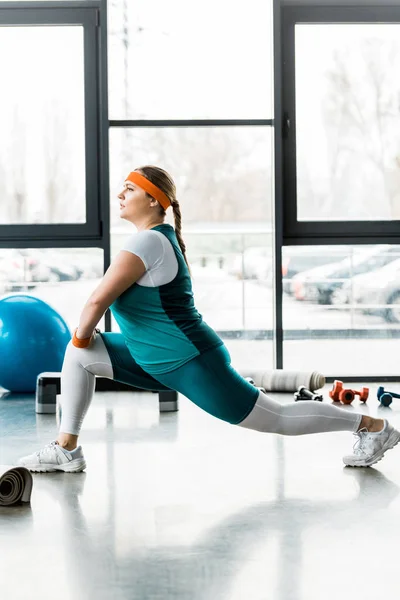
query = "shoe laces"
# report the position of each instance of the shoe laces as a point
(48, 448)
(363, 442)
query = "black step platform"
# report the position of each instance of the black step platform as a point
(48, 385)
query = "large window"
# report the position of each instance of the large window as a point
(341, 309)
(192, 91)
(179, 60)
(52, 160)
(341, 122)
(341, 202)
(42, 151)
(348, 162)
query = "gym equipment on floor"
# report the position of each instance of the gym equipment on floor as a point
(15, 485)
(346, 395)
(385, 397)
(281, 380)
(33, 339)
(48, 387)
(250, 380)
(304, 394)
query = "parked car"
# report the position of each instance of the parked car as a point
(62, 272)
(297, 259)
(22, 269)
(257, 262)
(376, 293)
(323, 284)
(58, 266)
(88, 262)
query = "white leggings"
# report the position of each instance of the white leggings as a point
(297, 418)
(78, 381)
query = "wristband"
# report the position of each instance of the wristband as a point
(80, 342)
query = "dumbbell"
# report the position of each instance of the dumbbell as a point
(304, 394)
(345, 395)
(385, 397)
(250, 380)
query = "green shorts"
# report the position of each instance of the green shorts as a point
(208, 380)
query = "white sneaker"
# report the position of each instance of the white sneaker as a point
(371, 446)
(54, 458)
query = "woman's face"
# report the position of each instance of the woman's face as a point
(134, 202)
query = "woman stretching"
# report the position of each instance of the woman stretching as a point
(164, 344)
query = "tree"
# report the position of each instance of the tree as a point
(14, 171)
(63, 157)
(222, 174)
(362, 116)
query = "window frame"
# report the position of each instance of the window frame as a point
(87, 15)
(324, 231)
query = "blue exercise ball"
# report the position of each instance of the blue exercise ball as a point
(33, 338)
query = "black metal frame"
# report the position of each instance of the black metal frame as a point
(278, 207)
(191, 123)
(87, 14)
(322, 232)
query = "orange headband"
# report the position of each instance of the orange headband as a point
(150, 188)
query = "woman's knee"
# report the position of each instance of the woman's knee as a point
(266, 416)
(94, 359)
(71, 353)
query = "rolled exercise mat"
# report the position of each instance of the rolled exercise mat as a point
(279, 380)
(15, 485)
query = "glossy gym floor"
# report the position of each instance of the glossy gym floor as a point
(183, 506)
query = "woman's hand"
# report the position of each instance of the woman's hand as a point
(82, 342)
(123, 272)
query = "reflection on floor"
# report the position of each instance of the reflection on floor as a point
(184, 506)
